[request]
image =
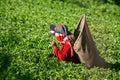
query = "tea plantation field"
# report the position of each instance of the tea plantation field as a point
(25, 43)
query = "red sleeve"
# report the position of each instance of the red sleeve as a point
(63, 52)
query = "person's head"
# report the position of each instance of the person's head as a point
(60, 28)
(60, 31)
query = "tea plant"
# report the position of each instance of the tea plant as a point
(25, 43)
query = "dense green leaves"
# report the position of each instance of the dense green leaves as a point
(25, 43)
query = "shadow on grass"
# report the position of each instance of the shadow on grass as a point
(7, 42)
(116, 2)
(114, 66)
(5, 61)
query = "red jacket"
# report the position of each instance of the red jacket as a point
(65, 52)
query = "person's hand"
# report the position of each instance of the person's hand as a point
(53, 44)
(51, 32)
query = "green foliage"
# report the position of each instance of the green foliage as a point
(24, 40)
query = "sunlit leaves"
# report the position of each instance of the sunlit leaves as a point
(25, 44)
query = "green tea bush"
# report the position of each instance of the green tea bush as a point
(25, 43)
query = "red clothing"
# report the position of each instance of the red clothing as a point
(65, 53)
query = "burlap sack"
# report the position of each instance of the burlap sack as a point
(85, 47)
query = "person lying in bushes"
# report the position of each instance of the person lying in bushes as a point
(66, 39)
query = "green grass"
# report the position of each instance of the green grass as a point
(25, 43)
